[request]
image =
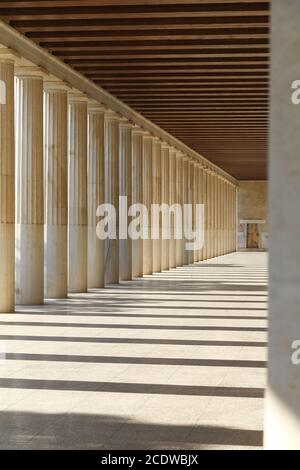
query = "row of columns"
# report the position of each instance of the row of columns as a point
(72, 154)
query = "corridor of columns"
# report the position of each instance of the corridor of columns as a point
(148, 171)
(176, 360)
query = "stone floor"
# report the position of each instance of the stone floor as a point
(171, 361)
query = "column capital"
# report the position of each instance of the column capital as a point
(179, 153)
(198, 164)
(125, 123)
(8, 55)
(137, 130)
(156, 140)
(165, 145)
(96, 107)
(76, 96)
(29, 71)
(52, 83)
(207, 169)
(110, 115)
(147, 135)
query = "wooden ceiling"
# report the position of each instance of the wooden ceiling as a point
(197, 68)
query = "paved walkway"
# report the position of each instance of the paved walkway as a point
(171, 361)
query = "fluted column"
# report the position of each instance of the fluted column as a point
(156, 181)
(195, 188)
(179, 201)
(221, 202)
(196, 202)
(200, 201)
(210, 212)
(111, 162)
(165, 195)
(56, 188)
(147, 200)
(7, 184)
(77, 219)
(95, 175)
(213, 236)
(185, 199)
(172, 201)
(29, 183)
(125, 174)
(235, 218)
(226, 217)
(137, 195)
(219, 205)
(230, 218)
(205, 202)
(191, 202)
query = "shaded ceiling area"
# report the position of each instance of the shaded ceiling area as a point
(197, 68)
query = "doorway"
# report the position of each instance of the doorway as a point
(252, 235)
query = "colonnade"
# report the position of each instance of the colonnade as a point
(66, 155)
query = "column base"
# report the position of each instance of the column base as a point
(29, 264)
(95, 260)
(56, 261)
(77, 277)
(7, 268)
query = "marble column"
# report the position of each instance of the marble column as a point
(7, 183)
(218, 215)
(29, 184)
(172, 201)
(235, 219)
(204, 195)
(222, 217)
(196, 202)
(214, 212)
(179, 201)
(226, 216)
(56, 188)
(147, 200)
(230, 218)
(165, 195)
(95, 187)
(125, 181)
(111, 164)
(185, 198)
(191, 202)
(156, 182)
(137, 196)
(200, 201)
(77, 219)
(210, 214)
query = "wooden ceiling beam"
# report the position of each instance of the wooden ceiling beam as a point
(68, 34)
(138, 57)
(95, 3)
(197, 68)
(151, 46)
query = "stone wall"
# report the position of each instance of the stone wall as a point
(252, 206)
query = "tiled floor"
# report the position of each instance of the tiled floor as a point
(175, 360)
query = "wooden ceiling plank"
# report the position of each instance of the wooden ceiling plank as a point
(197, 68)
(69, 35)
